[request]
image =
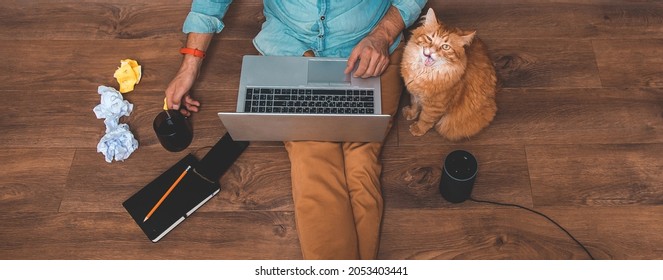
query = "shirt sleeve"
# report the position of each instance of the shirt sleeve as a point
(206, 16)
(409, 9)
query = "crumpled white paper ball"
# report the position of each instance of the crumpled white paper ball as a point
(119, 142)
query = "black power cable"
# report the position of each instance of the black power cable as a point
(540, 214)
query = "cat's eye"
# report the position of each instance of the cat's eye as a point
(429, 38)
(446, 47)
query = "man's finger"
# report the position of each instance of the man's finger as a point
(169, 104)
(362, 68)
(376, 66)
(373, 67)
(351, 61)
(192, 108)
(189, 100)
(383, 66)
(364, 64)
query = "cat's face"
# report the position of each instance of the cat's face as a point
(436, 46)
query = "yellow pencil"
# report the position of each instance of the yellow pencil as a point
(167, 193)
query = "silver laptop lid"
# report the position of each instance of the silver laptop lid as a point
(296, 74)
(301, 73)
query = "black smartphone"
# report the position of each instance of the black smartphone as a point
(222, 155)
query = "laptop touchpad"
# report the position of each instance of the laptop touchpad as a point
(327, 72)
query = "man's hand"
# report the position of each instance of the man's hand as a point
(372, 52)
(178, 90)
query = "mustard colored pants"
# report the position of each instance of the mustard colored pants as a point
(336, 187)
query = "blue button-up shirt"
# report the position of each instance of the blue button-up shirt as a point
(329, 28)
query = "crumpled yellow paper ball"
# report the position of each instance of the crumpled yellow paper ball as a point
(128, 75)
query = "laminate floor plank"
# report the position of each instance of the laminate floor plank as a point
(50, 120)
(564, 116)
(578, 136)
(623, 174)
(33, 180)
(535, 63)
(507, 20)
(475, 233)
(67, 120)
(70, 65)
(259, 180)
(218, 236)
(519, 63)
(631, 63)
(497, 232)
(116, 19)
(622, 19)
(411, 175)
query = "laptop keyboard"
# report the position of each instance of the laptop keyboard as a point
(309, 101)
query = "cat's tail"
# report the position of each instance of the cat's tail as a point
(464, 122)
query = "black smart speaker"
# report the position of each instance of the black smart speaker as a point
(458, 174)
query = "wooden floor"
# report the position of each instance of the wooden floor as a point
(578, 136)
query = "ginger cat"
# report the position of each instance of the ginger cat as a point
(451, 81)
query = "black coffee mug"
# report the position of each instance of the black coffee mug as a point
(173, 130)
(458, 175)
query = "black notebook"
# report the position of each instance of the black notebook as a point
(196, 186)
(186, 197)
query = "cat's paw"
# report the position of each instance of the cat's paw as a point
(416, 130)
(409, 113)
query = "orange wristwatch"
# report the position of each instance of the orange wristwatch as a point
(194, 52)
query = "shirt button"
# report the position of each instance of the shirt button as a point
(322, 18)
(320, 36)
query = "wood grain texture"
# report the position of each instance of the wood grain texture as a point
(260, 180)
(474, 234)
(52, 120)
(565, 116)
(109, 19)
(117, 19)
(578, 136)
(231, 235)
(519, 19)
(631, 63)
(626, 174)
(621, 19)
(562, 63)
(66, 119)
(33, 180)
(74, 65)
(496, 232)
(411, 175)
(505, 20)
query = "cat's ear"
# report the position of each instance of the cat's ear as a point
(468, 37)
(430, 18)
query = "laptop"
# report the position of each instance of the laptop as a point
(305, 98)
